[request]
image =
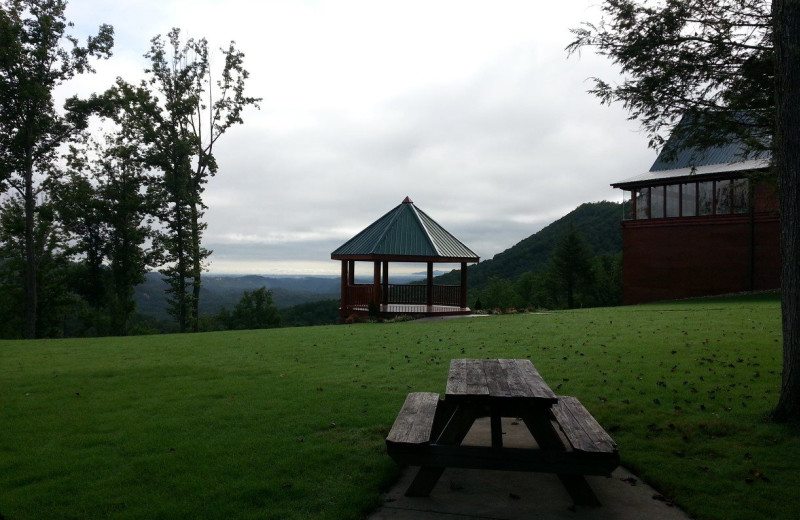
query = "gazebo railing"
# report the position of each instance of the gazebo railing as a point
(360, 295)
(447, 295)
(408, 294)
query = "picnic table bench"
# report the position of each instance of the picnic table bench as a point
(428, 430)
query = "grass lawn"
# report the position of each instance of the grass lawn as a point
(290, 423)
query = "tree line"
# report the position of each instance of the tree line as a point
(573, 277)
(100, 191)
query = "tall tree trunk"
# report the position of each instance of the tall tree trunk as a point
(786, 158)
(180, 285)
(31, 291)
(197, 266)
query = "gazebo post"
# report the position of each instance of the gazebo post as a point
(430, 284)
(463, 285)
(345, 278)
(385, 292)
(351, 280)
(376, 283)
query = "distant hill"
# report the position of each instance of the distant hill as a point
(598, 222)
(225, 291)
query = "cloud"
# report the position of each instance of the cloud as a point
(470, 108)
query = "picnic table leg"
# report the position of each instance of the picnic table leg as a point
(424, 482)
(497, 429)
(547, 438)
(579, 490)
(453, 433)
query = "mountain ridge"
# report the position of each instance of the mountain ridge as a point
(598, 222)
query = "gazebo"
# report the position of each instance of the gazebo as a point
(404, 234)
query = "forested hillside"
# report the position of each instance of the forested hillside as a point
(597, 222)
(225, 291)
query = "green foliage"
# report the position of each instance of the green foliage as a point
(178, 121)
(498, 294)
(248, 424)
(254, 311)
(597, 221)
(80, 208)
(104, 205)
(324, 312)
(36, 57)
(54, 298)
(571, 267)
(688, 59)
(574, 277)
(607, 280)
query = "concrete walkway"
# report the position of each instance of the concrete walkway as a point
(480, 494)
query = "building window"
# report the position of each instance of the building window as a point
(705, 198)
(689, 199)
(740, 196)
(657, 202)
(722, 197)
(673, 200)
(642, 203)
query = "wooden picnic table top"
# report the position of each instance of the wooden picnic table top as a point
(501, 379)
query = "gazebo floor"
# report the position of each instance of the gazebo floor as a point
(395, 309)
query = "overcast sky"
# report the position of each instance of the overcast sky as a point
(471, 108)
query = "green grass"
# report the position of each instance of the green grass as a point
(290, 423)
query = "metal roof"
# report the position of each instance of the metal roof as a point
(689, 172)
(731, 154)
(676, 161)
(405, 231)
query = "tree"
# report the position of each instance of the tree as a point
(571, 266)
(786, 162)
(123, 184)
(105, 204)
(498, 294)
(33, 62)
(81, 211)
(733, 66)
(54, 301)
(710, 62)
(180, 122)
(255, 310)
(608, 280)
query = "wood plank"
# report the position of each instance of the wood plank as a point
(595, 438)
(476, 378)
(457, 377)
(497, 382)
(581, 429)
(497, 378)
(515, 378)
(509, 459)
(538, 388)
(414, 423)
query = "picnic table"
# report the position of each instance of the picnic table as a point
(429, 431)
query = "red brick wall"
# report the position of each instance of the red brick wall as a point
(665, 259)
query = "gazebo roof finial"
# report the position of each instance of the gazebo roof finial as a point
(408, 200)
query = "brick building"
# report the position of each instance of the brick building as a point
(701, 222)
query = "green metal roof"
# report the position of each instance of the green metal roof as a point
(405, 231)
(678, 160)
